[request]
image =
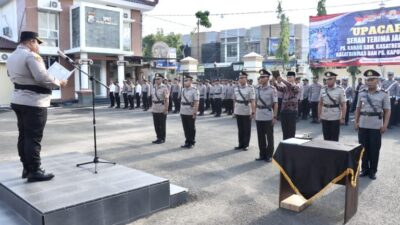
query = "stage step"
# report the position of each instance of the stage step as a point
(77, 196)
(9, 217)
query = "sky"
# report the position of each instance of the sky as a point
(297, 10)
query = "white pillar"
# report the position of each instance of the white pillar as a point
(121, 70)
(103, 78)
(84, 68)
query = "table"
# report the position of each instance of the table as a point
(310, 167)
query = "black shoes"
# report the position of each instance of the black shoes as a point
(372, 176)
(238, 148)
(39, 175)
(158, 141)
(268, 159)
(260, 159)
(364, 173)
(24, 173)
(187, 146)
(242, 148)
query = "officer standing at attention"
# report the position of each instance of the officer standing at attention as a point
(176, 95)
(160, 108)
(29, 101)
(189, 106)
(331, 108)
(218, 96)
(245, 108)
(390, 86)
(314, 99)
(145, 95)
(371, 120)
(266, 114)
(349, 94)
(289, 103)
(203, 92)
(305, 104)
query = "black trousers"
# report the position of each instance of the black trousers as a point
(189, 129)
(279, 108)
(288, 123)
(201, 105)
(229, 106)
(331, 129)
(31, 123)
(112, 99)
(145, 100)
(305, 107)
(125, 96)
(218, 106)
(300, 109)
(393, 117)
(244, 128)
(160, 123)
(265, 133)
(170, 104)
(149, 101)
(177, 102)
(137, 100)
(354, 104)
(397, 113)
(118, 100)
(314, 110)
(347, 116)
(212, 103)
(207, 102)
(130, 99)
(371, 140)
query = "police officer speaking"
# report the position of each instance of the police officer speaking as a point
(160, 105)
(189, 107)
(266, 112)
(331, 108)
(30, 100)
(244, 110)
(371, 120)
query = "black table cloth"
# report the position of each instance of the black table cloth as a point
(311, 166)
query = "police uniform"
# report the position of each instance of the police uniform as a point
(145, 95)
(189, 106)
(212, 102)
(244, 96)
(314, 100)
(349, 94)
(207, 100)
(203, 94)
(111, 88)
(391, 86)
(218, 96)
(305, 104)
(371, 107)
(266, 99)
(125, 94)
(229, 96)
(397, 105)
(29, 100)
(130, 94)
(160, 99)
(116, 94)
(176, 95)
(331, 102)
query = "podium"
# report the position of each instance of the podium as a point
(309, 167)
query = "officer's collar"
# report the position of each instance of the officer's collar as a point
(23, 47)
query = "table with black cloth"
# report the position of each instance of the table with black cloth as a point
(309, 167)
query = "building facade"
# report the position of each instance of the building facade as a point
(106, 32)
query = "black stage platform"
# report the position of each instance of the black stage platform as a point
(76, 196)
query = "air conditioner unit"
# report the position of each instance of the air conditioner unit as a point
(3, 57)
(126, 16)
(54, 4)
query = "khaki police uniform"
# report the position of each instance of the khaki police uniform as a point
(349, 94)
(314, 100)
(243, 97)
(391, 87)
(30, 100)
(203, 95)
(160, 96)
(189, 97)
(218, 96)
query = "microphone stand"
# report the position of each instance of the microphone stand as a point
(93, 80)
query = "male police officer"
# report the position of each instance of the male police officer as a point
(371, 120)
(305, 104)
(266, 112)
(30, 100)
(314, 99)
(176, 95)
(244, 110)
(331, 108)
(189, 106)
(390, 86)
(349, 94)
(203, 94)
(160, 108)
(218, 96)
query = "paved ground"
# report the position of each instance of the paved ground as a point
(226, 186)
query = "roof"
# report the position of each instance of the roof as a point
(145, 2)
(6, 44)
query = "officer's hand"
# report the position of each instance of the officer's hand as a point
(383, 129)
(273, 121)
(194, 115)
(165, 111)
(63, 83)
(341, 121)
(253, 115)
(356, 126)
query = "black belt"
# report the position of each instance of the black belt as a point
(34, 88)
(331, 106)
(371, 114)
(184, 103)
(264, 107)
(217, 93)
(158, 102)
(242, 102)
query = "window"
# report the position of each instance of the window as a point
(49, 28)
(254, 47)
(232, 50)
(127, 37)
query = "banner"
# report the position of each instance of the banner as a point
(273, 44)
(354, 39)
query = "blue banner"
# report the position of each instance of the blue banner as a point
(273, 44)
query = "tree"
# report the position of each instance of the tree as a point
(321, 9)
(202, 19)
(353, 71)
(316, 71)
(172, 40)
(284, 42)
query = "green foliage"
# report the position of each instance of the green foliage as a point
(321, 9)
(284, 41)
(203, 20)
(172, 40)
(316, 71)
(353, 71)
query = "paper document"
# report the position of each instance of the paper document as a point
(59, 72)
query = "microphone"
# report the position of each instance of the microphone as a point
(64, 56)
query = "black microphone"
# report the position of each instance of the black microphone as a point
(64, 56)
